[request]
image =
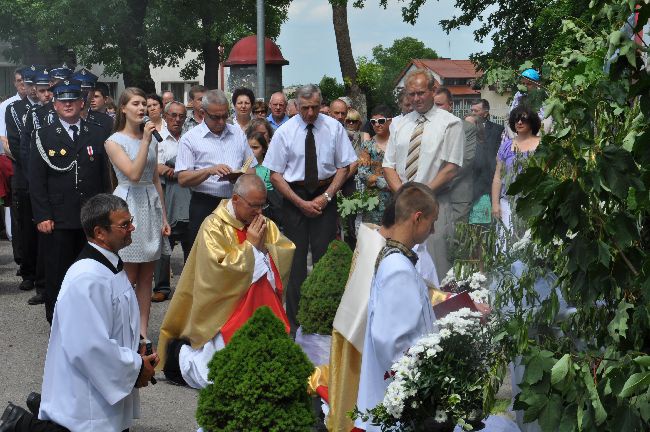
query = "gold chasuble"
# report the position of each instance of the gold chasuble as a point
(216, 278)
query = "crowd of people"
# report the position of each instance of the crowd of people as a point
(98, 194)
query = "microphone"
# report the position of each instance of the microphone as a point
(155, 133)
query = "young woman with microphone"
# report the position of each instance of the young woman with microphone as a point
(133, 153)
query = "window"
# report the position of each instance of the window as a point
(180, 89)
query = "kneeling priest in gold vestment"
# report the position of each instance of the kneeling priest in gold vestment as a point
(239, 262)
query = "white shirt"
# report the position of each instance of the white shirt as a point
(67, 125)
(442, 140)
(286, 154)
(200, 148)
(110, 256)
(3, 110)
(168, 147)
(399, 313)
(92, 362)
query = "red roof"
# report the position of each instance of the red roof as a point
(448, 68)
(461, 90)
(244, 52)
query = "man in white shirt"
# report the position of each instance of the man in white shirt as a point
(427, 147)
(309, 157)
(177, 198)
(94, 363)
(208, 152)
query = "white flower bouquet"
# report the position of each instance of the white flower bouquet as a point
(439, 382)
(475, 283)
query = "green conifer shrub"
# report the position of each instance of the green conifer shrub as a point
(322, 290)
(259, 381)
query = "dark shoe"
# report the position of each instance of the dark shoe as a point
(158, 297)
(36, 299)
(12, 416)
(33, 402)
(19, 272)
(26, 285)
(172, 369)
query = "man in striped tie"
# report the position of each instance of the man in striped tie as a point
(427, 147)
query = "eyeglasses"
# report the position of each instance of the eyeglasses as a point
(260, 112)
(417, 93)
(351, 121)
(125, 226)
(177, 116)
(379, 121)
(521, 118)
(215, 117)
(254, 206)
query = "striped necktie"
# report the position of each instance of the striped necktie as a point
(414, 149)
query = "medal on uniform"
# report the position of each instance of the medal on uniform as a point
(90, 153)
(51, 153)
(85, 128)
(58, 130)
(63, 152)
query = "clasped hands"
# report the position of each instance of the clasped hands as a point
(148, 370)
(313, 208)
(256, 233)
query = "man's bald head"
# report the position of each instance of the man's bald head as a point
(278, 106)
(247, 183)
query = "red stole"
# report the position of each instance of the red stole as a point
(261, 293)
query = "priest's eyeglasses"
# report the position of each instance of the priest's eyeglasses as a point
(255, 206)
(125, 226)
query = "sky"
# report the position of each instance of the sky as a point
(307, 37)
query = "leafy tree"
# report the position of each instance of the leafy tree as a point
(377, 76)
(129, 36)
(584, 196)
(331, 89)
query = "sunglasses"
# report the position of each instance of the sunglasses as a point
(379, 121)
(521, 118)
(350, 121)
(260, 112)
(215, 117)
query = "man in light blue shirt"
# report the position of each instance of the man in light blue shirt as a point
(278, 107)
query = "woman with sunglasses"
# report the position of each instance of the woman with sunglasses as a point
(510, 157)
(370, 175)
(259, 110)
(133, 153)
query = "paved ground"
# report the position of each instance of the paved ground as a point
(23, 343)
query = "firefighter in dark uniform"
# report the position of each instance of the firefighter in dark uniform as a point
(15, 117)
(88, 81)
(40, 114)
(67, 167)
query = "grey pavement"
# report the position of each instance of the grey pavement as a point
(23, 344)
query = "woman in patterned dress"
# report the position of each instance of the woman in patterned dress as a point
(133, 153)
(370, 175)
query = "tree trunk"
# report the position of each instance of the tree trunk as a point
(346, 59)
(210, 50)
(134, 54)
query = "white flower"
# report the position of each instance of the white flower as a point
(480, 296)
(522, 243)
(440, 416)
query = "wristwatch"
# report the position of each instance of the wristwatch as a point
(327, 197)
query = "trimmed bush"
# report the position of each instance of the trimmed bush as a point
(260, 381)
(321, 292)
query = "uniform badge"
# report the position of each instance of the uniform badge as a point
(51, 153)
(90, 153)
(58, 130)
(63, 152)
(85, 128)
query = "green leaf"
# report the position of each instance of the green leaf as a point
(617, 327)
(635, 383)
(569, 421)
(549, 420)
(599, 410)
(642, 361)
(560, 369)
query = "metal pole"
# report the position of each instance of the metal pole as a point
(261, 55)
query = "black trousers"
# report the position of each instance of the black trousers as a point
(16, 238)
(63, 248)
(28, 235)
(201, 205)
(161, 274)
(306, 233)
